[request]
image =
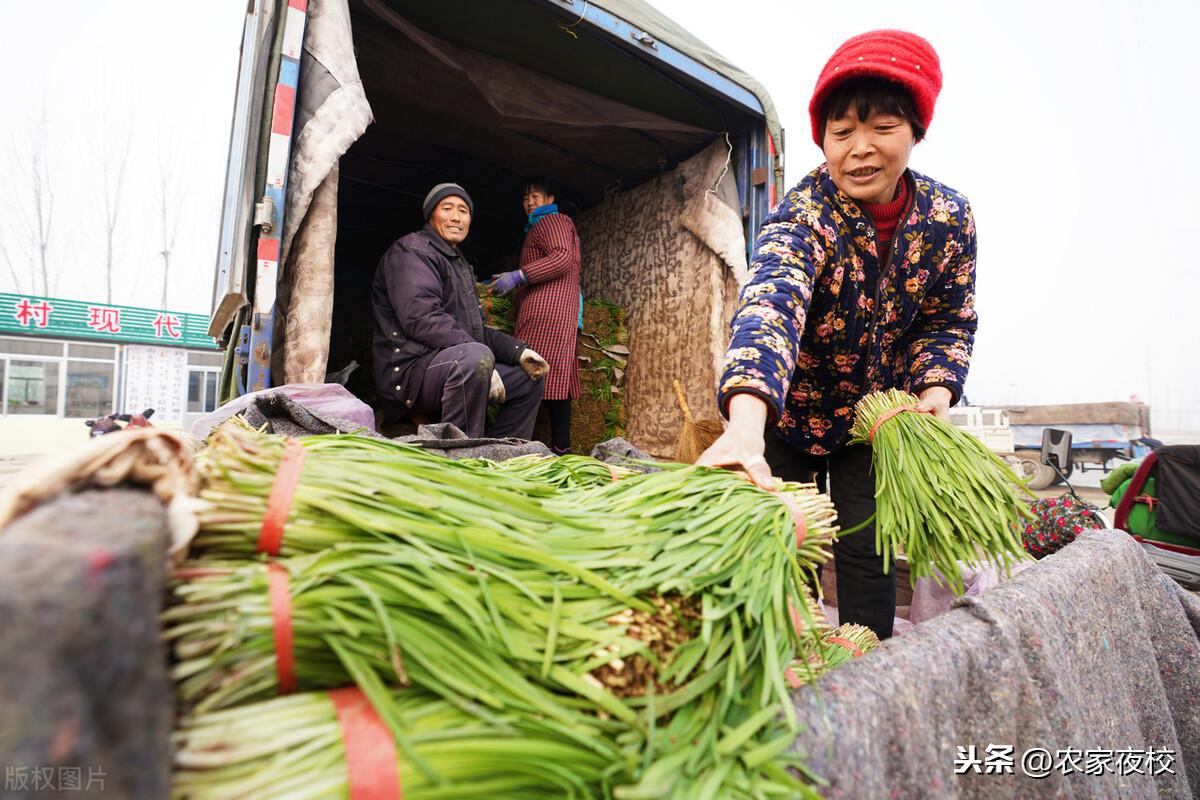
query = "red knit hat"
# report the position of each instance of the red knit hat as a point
(897, 56)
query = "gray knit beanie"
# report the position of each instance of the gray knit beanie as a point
(442, 191)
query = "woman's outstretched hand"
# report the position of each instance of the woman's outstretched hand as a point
(742, 444)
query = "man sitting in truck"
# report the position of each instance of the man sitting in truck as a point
(433, 354)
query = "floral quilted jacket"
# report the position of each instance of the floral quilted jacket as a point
(821, 323)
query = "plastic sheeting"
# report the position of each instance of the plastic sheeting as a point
(329, 403)
(650, 19)
(1091, 649)
(1081, 434)
(331, 113)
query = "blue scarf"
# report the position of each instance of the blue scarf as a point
(539, 212)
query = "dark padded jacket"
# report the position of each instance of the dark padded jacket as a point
(424, 300)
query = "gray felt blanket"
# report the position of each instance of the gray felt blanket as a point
(1092, 649)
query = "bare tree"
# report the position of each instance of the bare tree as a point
(112, 171)
(30, 215)
(43, 202)
(171, 206)
(12, 271)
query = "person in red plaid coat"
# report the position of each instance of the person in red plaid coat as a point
(547, 301)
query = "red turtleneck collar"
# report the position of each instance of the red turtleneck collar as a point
(886, 217)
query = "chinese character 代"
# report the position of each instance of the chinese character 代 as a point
(967, 760)
(104, 320)
(169, 323)
(28, 312)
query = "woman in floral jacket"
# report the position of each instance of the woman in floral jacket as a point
(862, 279)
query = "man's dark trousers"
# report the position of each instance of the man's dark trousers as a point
(455, 389)
(865, 595)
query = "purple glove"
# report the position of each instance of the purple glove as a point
(507, 281)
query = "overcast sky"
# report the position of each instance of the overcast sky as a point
(1071, 126)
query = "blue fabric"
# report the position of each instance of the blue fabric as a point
(581, 311)
(539, 212)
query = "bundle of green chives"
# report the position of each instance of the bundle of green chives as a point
(699, 509)
(941, 496)
(497, 308)
(294, 747)
(469, 631)
(353, 488)
(562, 472)
(830, 650)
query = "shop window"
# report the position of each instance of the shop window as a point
(30, 347)
(89, 389)
(31, 387)
(101, 351)
(205, 359)
(202, 391)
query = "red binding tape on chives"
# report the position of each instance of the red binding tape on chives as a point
(885, 416)
(371, 769)
(846, 643)
(279, 501)
(798, 518)
(797, 623)
(612, 471)
(280, 595)
(792, 678)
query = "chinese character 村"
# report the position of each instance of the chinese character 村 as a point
(26, 312)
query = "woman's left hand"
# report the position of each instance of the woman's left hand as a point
(935, 400)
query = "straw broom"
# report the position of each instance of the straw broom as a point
(695, 437)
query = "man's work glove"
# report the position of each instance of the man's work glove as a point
(496, 393)
(507, 281)
(534, 365)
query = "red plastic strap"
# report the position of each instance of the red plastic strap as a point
(1147, 499)
(792, 678)
(1121, 517)
(371, 768)
(279, 502)
(798, 517)
(797, 623)
(885, 416)
(280, 595)
(846, 643)
(616, 476)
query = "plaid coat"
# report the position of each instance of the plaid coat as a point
(548, 305)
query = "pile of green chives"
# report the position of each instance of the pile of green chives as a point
(516, 595)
